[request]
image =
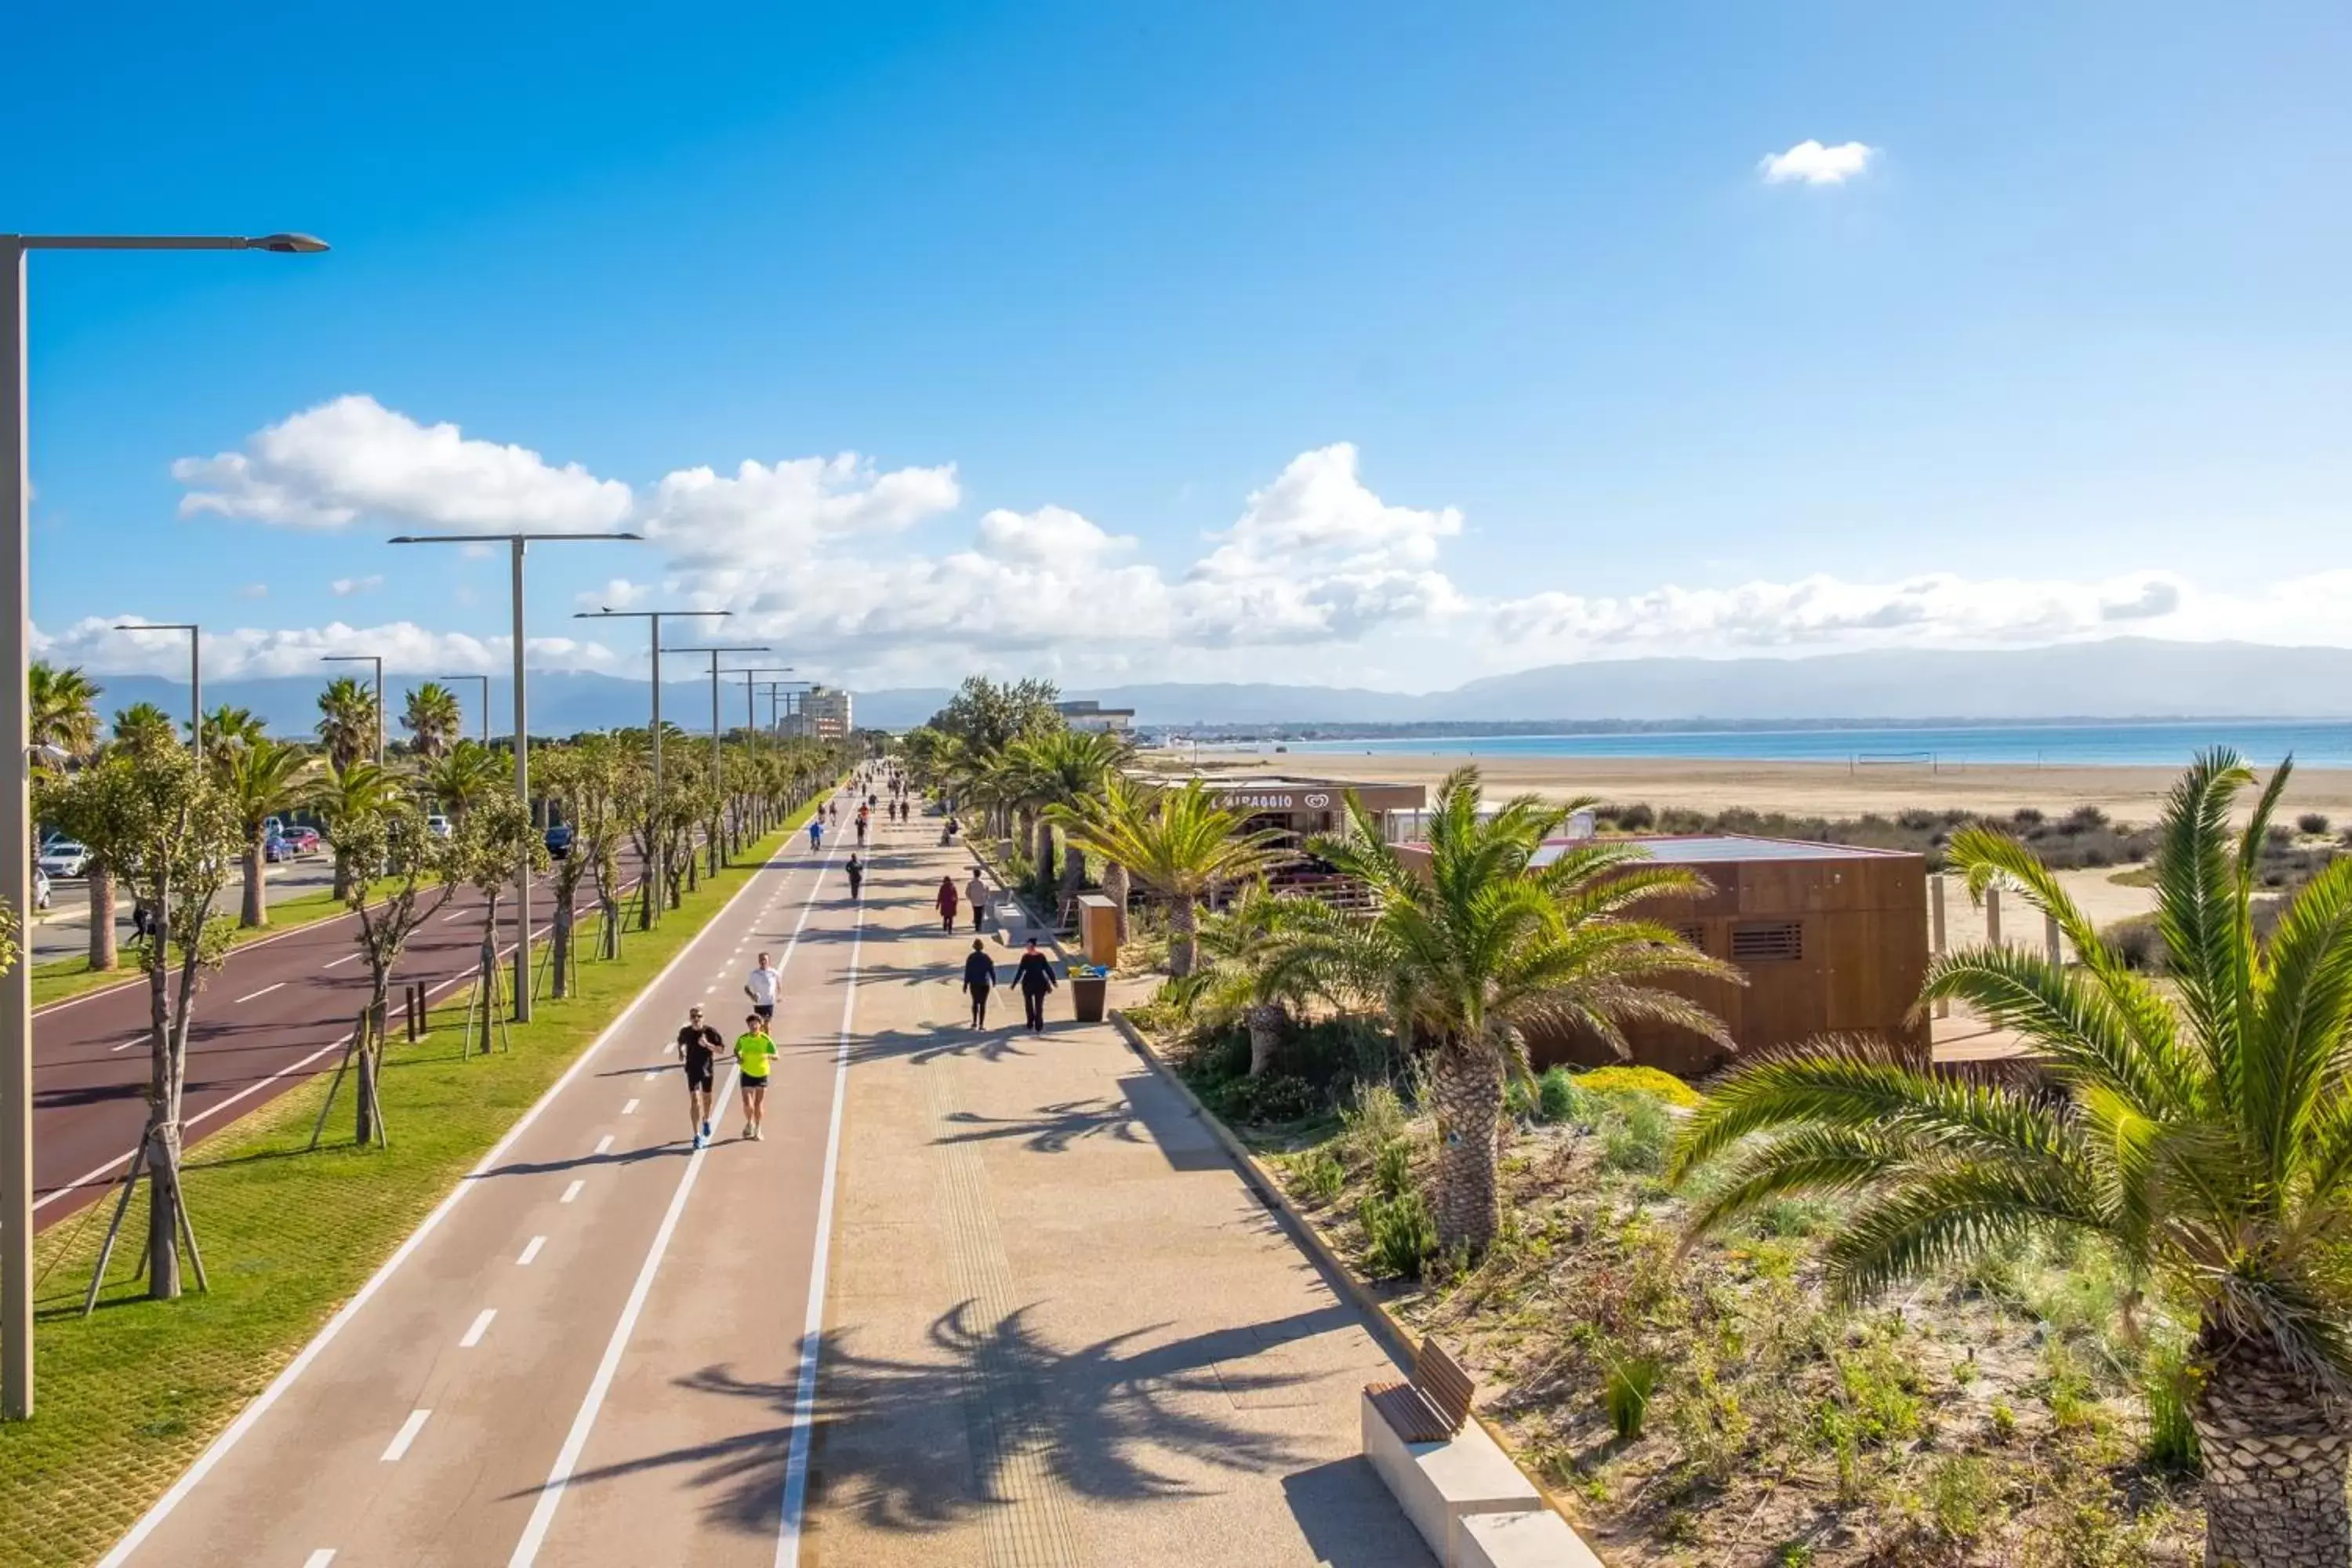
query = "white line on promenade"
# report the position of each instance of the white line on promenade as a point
(481, 1325)
(796, 1462)
(603, 1144)
(270, 1397)
(530, 1251)
(630, 1109)
(398, 1446)
(265, 991)
(572, 1191)
(559, 1477)
(320, 1558)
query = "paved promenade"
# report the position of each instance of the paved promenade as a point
(1046, 1320)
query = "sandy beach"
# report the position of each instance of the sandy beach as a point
(1813, 789)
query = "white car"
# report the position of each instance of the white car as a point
(62, 858)
(437, 825)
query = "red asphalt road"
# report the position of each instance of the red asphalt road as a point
(275, 1013)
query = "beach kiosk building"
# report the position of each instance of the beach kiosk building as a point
(1832, 939)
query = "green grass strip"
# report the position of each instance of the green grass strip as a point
(131, 1395)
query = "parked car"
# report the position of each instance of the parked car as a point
(437, 825)
(277, 848)
(559, 839)
(62, 858)
(301, 841)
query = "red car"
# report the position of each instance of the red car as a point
(301, 841)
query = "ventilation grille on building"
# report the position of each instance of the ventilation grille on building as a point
(1695, 935)
(1777, 943)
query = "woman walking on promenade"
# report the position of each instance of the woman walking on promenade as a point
(946, 903)
(979, 980)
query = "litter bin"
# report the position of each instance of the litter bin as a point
(1088, 994)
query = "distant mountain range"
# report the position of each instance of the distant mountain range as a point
(2126, 678)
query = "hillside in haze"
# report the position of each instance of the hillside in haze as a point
(2123, 678)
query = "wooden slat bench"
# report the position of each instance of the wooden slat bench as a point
(1431, 1408)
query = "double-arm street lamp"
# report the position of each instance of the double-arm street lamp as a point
(376, 659)
(653, 619)
(15, 801)
(717, 758)
(485, 700)
(195, 675)
(515, 543)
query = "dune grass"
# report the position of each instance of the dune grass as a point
(129, 1396)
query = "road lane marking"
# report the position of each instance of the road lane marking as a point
(405, 1436)
(630, 1109)
(603, 1144)
(268, 1397)
(530, 1251)
(572, 1191)
(265, 991)
(481, 1326)
(320, 1558)
(559, 1476)
(347, 958)
(796, 1460)
(126, 1045)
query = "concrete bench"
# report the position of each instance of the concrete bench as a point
(1440, 1465)
(1537, 1538)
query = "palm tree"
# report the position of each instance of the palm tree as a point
(263, 779)
(355, 792)
(143, 727)
(347, 720)
(1059, 768)
(63, 707)
(433, 717)
(1179, 843)
(228, 726)
(468, 773)
(1258, 972)
(1493, 938)
(2204, 1134)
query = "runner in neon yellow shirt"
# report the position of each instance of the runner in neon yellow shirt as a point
(755, 1053)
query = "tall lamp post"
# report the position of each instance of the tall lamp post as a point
(15, 802)
(653, 619)
(515, 543)
(195, 675)
(717, 758)
(376, 659)
(485, 700)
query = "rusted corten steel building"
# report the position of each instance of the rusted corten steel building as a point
(1832, 939)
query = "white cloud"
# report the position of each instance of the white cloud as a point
(761, 513)
(344, 587)
(408, 648)
(254, 591)
(1811, 164)
(330, 466)
(1049, 533)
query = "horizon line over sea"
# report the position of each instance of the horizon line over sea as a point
(2326, 744)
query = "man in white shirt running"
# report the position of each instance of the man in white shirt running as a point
(760, 985)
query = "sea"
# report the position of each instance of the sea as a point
(2170, 744)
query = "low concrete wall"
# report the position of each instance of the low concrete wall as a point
(1438, 1484)
(1537, 1538)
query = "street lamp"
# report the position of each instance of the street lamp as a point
(376, 659)
(485, 700)
(653, 619)
(717, 758)
(195, 675)
(515, 543)
(16, 803)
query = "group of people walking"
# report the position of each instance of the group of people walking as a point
(698, 1044)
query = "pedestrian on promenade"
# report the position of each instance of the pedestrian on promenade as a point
(761, 986)
(861, 830)
(755, 1054)
(979, 980)
(1035, 975)
(697, 1048)
(977, 891)
(816, 832)
(856, 877)
(946, 903)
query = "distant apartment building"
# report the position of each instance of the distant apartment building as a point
(823, 714)
(1094, 715)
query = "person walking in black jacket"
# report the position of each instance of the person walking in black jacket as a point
(856, 876)
(979, 980)
(1035, 975)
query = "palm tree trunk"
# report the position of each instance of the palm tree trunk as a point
(1265, 1021)
(2275, 1464)
(1118, 887)
(255, 911)
(1466, 1085)
(102, 955)
(344, 877)
(1184, 923)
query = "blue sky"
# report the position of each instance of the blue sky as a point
(1367, 344)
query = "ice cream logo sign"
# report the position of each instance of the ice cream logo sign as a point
(1275, 800)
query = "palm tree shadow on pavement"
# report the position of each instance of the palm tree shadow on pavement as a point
(1104, 1421)
(1052, 1129)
